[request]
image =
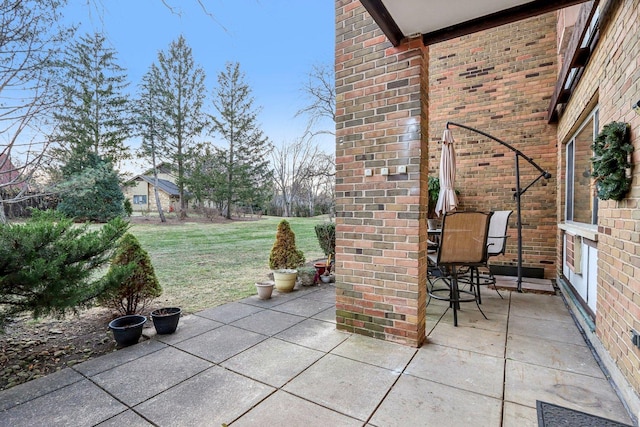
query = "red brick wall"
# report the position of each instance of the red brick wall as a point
(500, 81)
(612, 76)
(380, 221)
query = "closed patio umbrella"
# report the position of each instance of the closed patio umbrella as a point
(447, 200)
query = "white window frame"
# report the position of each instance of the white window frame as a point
(570, 154)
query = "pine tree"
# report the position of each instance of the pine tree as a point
(48, 265)
(150, 126)
(95, 112)
(138, 286)
(246, 162)
(91, 189)
(179, 84)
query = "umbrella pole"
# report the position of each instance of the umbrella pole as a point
(519, 192)
(517, 195)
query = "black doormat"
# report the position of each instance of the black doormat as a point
(550, 415)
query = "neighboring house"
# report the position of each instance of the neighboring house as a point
(10, 179)
(544, 80)
(140, 191)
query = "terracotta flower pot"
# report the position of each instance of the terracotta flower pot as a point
(264, 289)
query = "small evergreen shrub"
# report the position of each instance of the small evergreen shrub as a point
(91, 190)
(137, 285)
(48, 265)
(128, 209)
(284, 254)
(326, 234)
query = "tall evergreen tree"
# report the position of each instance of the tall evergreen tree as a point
(150, 126)
(95, 111)
(91, 190)
(179, 83)
(246, 160)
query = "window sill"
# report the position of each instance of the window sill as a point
(579, 229)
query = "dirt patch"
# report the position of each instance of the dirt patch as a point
(31, 349)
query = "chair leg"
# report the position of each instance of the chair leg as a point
(454, 296)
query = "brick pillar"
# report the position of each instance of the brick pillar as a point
(381, 219)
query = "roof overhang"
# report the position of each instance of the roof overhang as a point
(440, 20)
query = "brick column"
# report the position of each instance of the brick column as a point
(381, 219)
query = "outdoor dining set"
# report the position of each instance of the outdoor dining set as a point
(459, 253)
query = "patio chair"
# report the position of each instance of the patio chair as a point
(463, 243)
(496, 245)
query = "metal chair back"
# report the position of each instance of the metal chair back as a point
(464, 239)
(497, 239)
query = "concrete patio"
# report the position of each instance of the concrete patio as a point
(282, 362)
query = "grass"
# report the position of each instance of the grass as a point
(201, 265)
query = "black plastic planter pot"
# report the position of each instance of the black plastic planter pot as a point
(127, 329)
(165, 320)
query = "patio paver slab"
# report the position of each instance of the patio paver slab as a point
(328, 315)
(303, 307)
(552, 309)
(228, 313)
(419, 402)
(344, 385)
(211, 398)
(463, 369)
(472, 339)
(189, 327)
(108, 361)
(514, 415)
(79, 404)
(314, 334)
(128, 419)
(555, 330)
(284, 409)
(380, 353)
(138, 380)
(33, 389)
(268, 322)
(526, 383)
(273, 361)
(220, 344)
(553, 354)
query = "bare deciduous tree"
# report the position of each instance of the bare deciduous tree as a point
(320, 90)
(295, 166)
(30, 40)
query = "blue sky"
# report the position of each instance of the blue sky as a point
(276, 43)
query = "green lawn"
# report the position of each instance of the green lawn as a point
(204, 265)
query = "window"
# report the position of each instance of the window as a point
(140, 200)
(580, 196)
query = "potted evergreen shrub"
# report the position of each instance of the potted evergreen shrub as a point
(326, 234)
(285, 258)
(131, 268)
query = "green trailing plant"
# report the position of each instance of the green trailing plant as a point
(48, 265)
(611, 153)
(434, 193)
(285, 254)
(138, 283)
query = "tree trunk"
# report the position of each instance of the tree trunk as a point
(155, 184)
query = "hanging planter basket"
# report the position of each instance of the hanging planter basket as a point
(611, 161)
